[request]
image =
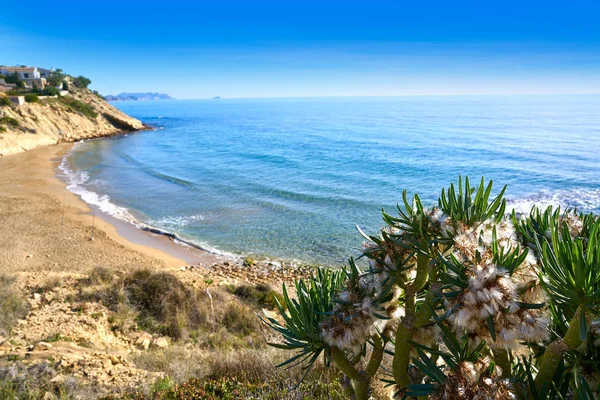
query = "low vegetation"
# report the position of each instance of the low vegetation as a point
(5, 101)
(262, 295)
(322, 384)
(79, 106)
(8, 121)
(13, 305)
(32, 98)
(36, 381)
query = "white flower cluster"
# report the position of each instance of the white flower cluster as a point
(355, 315)
(473, 381)
(492, 293)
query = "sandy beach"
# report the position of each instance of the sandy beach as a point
(47, 228)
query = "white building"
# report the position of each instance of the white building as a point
(30, 75)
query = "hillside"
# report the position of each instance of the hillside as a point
(138, 97)
(79, 115)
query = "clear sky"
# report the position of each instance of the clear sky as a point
(288, 48)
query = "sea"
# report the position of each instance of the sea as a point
(292, 178)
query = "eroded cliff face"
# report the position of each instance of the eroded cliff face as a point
(51, 121)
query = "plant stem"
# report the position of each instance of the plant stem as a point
(422, 272)
(344, 365)
(556, 350)
(361, 388)
(552, 357)
(426, 311)
(376, 356)
(405, 330)
(402, 356)
(571, 338)
(502, 359)
(348, 389)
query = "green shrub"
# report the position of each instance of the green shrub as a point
(56, 77)
(165, 304)
(13, 305)
(239, 320)
(32, 98)
(51, 91)
(81, 82)
(261, 294)
(5, 101)
(9, 121)
(12, 78)
(79, 106)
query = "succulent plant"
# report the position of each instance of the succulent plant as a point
(462, 300)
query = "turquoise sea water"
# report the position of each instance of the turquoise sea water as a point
(290, 178)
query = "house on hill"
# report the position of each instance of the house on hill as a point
(30, 75)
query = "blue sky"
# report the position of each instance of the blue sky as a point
(306, 48)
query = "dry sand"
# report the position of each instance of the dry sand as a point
(45, 228)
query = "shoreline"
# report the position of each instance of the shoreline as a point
(29, 175)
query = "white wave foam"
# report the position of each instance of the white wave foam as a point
(178, 222)
(75, 182)
(583, 199)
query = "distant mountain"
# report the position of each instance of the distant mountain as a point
(138, 96)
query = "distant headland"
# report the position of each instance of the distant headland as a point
(138, 97)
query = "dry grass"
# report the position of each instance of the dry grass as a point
(13, 306)
(230, 373)
(34, 382)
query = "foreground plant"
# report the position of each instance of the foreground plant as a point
(461, 300)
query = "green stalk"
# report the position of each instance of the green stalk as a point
(556, 350)
(571, 338)
(376, 356)
(405, 330)
(402, 356)
(502, 359)
(422, 272)
(360, 381)
(426, 311)
(550, 361)
(344, 365)
(361, 388)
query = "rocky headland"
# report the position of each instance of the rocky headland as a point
(79, 115)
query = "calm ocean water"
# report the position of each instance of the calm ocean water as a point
(290, 178)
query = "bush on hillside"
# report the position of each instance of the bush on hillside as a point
(12, 78)
(51, 91)
(79, 106)
(9, 121)
(32, 98)
(81, 82)
(13, 305)
(261, 294)
(5, 101)
(461, 300)
(56, 78)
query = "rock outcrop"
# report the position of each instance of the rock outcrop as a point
(53, 121)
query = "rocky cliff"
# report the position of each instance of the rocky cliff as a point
(66, 119)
